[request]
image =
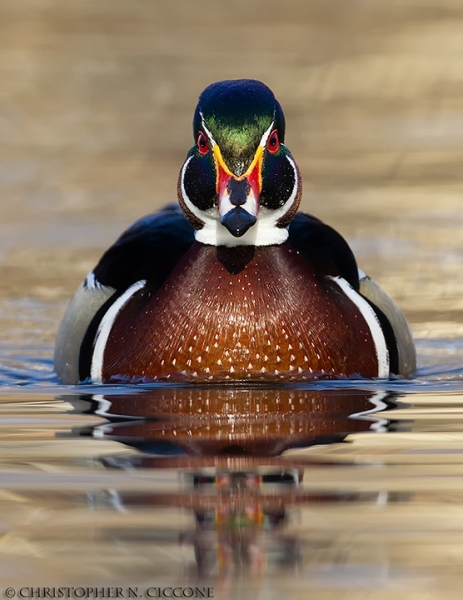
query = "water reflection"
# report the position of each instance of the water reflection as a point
(227, 445)
(242, 530)
(236, 421)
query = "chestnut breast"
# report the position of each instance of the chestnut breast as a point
(245, 313)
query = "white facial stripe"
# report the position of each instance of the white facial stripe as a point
(104, 330)
(264, 138)
(280, 212)
(208, 133)
(263, 233)
(382, 353)
(208, 217)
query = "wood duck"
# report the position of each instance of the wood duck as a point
(235, 285)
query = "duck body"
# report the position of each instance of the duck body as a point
(238, 285)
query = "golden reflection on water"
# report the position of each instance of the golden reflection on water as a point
(160, 491)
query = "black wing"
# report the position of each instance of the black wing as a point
(324, 247)
(149, 249)
(330, 254)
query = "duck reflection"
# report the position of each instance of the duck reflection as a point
(237, 421)
(227, 445)
(247, 529)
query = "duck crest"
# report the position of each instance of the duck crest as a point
(239, 314)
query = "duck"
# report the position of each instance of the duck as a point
(233, 283)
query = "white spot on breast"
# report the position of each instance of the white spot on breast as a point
(249, 366)
(199, 359)
(219, 362)
(278, 359)
(232, 370)
(188, 362)
(263, 370)
(174, 362)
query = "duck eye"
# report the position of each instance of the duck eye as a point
(203, 143)
(273, 143)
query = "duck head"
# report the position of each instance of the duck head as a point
(239, 184)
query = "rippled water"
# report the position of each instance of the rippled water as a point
(329, 488)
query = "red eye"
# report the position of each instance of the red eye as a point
(203, 143)
(273, 143)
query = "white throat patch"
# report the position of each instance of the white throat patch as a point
(264, 233)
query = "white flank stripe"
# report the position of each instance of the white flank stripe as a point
(370, 317)
(104, 330)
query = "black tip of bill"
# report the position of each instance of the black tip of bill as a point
(238, 221)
